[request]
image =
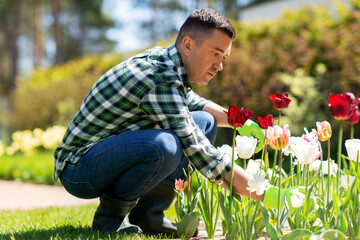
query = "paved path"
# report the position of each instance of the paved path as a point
(15, 195)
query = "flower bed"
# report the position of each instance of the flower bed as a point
(318, 198)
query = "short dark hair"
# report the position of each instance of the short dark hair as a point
(201, 22)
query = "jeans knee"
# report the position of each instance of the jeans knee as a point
(206, 123)
(171, 148)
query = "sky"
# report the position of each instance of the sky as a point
(127, 35)
(128, 32)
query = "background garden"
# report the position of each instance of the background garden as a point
(308, 53)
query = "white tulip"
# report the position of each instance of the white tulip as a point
(289, 149)
(346, 181)
(258, 184)
(245, 146)
(306, 152)
(296, 198)
(353, 149)
(315, 166)
(227, 150)
(257, 167)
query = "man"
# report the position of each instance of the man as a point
(140, 126)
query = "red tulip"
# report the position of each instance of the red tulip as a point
(236, 117)
(354, 118)
(279, 101)
(265, 122)
(341, 105)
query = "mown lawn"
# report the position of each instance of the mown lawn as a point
(57, 223)
(48, 223)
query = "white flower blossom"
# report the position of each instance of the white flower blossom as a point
(310, 136)
(258, 184)
(257, 167)
(296, 198)
(315, 166)
(245, 146)
(227, 150)
(306, 152)
(289, 149)
(346, 181)
(353, 149)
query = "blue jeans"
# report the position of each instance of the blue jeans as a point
(129, 165)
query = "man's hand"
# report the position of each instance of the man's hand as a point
(253, 129)
(295, 197)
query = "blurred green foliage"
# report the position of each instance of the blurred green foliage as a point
(281, 55)
(37, 168)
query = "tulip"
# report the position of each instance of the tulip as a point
(341, 105)
(346, 181)
(306, 152)
(354, 118)
(180, 185)
(353, 149)
(258, 184)
(265, 122)
(236, 117)
(323, 130)
(226, 150)
(278, 137)
(280, 101)
(245, 146)
(327, 169)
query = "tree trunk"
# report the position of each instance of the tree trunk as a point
(13, 36)
(39, 34)
(56, 29)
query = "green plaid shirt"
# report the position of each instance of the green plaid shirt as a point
(147, 90)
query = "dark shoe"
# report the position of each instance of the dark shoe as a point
(110, 216)
(148, 214)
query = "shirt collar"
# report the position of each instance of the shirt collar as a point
(179, 66)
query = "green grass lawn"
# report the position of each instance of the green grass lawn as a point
(48, 223)
(57, 223)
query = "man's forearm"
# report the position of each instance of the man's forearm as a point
(218, 112)
(240, 183)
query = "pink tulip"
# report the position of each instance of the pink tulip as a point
(323, 130)
(180, 185)
(278, 137)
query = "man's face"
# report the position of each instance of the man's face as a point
(206, 59)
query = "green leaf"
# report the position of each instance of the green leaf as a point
(224, 209)
(343, 223)
(332, 234)
(188, 224)
(269, 227)
(233, 232)
(284, 213)
(298, 234)
(195, 200)
(320, 213)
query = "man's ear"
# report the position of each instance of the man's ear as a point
(187, 43)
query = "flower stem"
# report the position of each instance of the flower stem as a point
(232, 171)
(279, 195)
(329, 175)
(339, 167)
(279, 117)
(307, 194)
(339, 152)
(351, 131)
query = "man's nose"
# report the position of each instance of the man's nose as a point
(218, 65)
